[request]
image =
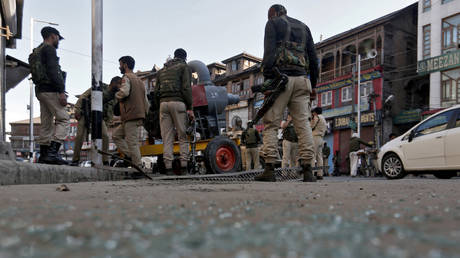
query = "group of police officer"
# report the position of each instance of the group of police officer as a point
(288, 47)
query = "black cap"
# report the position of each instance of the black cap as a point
(180, 53)
(47, 31)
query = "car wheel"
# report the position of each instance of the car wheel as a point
(392, 167)
(445, 175)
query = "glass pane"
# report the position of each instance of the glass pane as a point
(433, 125)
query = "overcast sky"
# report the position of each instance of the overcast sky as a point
(150, 30)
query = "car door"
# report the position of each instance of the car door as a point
(426, 150)
(452, 144)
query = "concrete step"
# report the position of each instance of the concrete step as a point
(14, 173)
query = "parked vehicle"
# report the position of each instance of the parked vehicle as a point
(432, 146)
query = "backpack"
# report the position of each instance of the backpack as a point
(289, 53)
(37, 68)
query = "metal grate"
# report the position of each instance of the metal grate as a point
(282, 174)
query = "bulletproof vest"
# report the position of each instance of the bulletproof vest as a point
(170, 79)
(291, 54)
(290, 134)
(37, 68)
(251, 137)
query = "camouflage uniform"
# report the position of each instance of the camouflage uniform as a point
(174, 93)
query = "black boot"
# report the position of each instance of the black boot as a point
(53, 156)
(308, 173)
(43, 153)
(74, 163)
(268, 175)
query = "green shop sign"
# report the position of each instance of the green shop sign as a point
(443, 62)
(408, 116)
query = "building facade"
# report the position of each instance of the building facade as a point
(438, 52)
(241, 73)
(387, 47)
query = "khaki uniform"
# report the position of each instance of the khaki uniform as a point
(173, 115)
(133, 107)
(290, 152)
(54, 118)
(319, 127)
(296, 97)
(82, 131)
(251, 140)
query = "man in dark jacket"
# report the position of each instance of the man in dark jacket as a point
(50, 91)
(174, 93)
(288, 46)
(251, 139)
(290, 145)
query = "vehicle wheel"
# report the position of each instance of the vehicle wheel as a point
(445, 175)
(392, 167)
(222, 156)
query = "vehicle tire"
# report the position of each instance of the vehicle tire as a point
(222, 156)
(445, 175)
(392, 167)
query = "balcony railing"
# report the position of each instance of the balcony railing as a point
(347, 69)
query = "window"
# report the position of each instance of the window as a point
(366, 89)
(260, 80)
(426, 5)
(326, 98)
(246, 84)
(434, 124)
(426, 41)
(450, 33)
(446, 1)
(448, 88)
(235, 65)
(457, 123)
(346, 94)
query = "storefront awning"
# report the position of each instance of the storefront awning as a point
(16, 71)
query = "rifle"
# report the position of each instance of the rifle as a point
(129, 161)
(276, 86)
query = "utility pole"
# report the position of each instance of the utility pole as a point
(96, 79)
(359, 95)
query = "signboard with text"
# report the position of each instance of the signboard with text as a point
(443, 62)
(344, 122)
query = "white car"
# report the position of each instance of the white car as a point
(432, 146)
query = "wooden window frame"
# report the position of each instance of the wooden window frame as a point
(426, 29)
(426, 7)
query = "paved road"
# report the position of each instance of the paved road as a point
(337, 217)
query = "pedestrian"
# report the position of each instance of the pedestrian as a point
(355, 146)
(289, 47)
(50, 91)
(336, 161)
(251, 139)
(392, 136)
(290, 145)
(83, 115)
(318, 127)
(133, 107)
(174, 93)
(326, 153)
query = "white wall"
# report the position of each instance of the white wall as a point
(434, 17)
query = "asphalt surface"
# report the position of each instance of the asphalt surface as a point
(337, 217)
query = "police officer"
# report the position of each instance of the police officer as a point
(355, 146)
(288, 46)
(133, 108)
(83, 112)
(251, 139)
(326, 154)
(50, 91)
(290, 145)
(174, 93)
(318, 127)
